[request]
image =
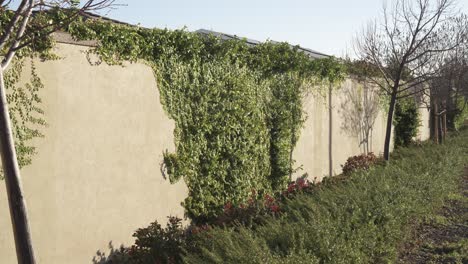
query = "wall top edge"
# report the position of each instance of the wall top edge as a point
(66, 38)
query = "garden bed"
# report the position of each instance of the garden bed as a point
(359, 218)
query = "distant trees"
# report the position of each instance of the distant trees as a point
(406, 48)
(450, 93)
(25, 27)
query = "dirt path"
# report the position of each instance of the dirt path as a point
(443, 238)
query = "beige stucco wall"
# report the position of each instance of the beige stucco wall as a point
(424, 132)
(312, 149)
(97, 176)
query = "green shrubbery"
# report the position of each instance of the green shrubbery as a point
(361, 218)
(406, 122)
(461, 113)
(221, 135)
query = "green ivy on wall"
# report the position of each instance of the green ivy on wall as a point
(25, 111)
(23, 87)
(237, 108)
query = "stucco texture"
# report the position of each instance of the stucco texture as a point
(312, 149)
(424, 132)
(96, 177)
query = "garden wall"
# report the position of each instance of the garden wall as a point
(97, 175)
(313, 147)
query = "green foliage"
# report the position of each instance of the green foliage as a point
(461, 114)
(406, 122)
(153, 244)
(157, 244)
(37, 35)
(284, 123)
(361, 69)
(237, 108)
(221, 134)
(25, 111)
(23, 99)
(359, 220)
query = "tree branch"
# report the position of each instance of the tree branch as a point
(11, 52)
(11, 25)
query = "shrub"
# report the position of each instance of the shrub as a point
(116, 256)
(153, 245)
(461, 114)
(358, 220)
(359, 162)
(259, 206)
(406, 122)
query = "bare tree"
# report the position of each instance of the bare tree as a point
(406, 46)
(450, 89)
(22, 29)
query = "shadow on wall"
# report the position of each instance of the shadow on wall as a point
(115, 256)
(359, 111)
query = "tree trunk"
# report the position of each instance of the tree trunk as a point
(441, 130)
(388, 132)
(19, 217)
(330, 132)
(436, 121)
(444, 125)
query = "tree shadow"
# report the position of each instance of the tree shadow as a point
(115, 256)
(359, 111)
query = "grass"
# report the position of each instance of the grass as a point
(362, 219)
(442, 237)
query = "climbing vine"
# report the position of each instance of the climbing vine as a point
(23, 84)
(237, 108)
(27, 116)
(25, 109)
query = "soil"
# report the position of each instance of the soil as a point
(442, 238)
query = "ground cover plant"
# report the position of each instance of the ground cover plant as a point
(442, 237)
(360, 218)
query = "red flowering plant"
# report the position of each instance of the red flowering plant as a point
(359, 162)
(300, 185)
(261, 205)
(271, 205)
(248, 213)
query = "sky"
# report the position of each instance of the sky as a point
(323, 25)
(327, 26)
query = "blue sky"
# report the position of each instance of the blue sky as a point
(324, 25)
(327, 26)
